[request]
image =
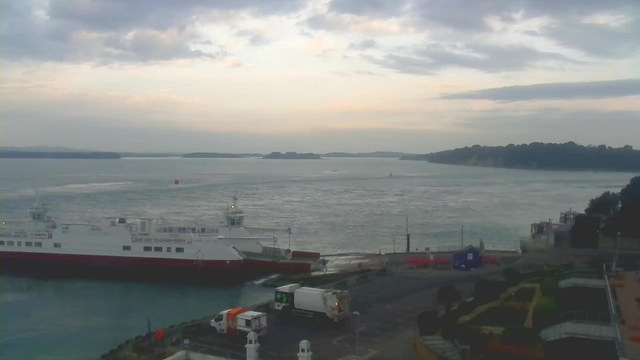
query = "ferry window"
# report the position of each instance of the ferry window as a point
(1, 242)
(57, 245)
(203, 230)
(122, 221)
(19, 243)
(147, 248)
(126, 247)
(193, 230)
(28, 243)
(179, 249)
(38, 244)
(157, 248)
(168, 249)
(10, 243)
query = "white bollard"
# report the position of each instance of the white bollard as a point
(252, 346)
(305, 350)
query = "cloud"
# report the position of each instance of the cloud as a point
(425, 60)
(231, 62)
(598, 28)
(357, 24)
(376, 8)
(597, 39)
(112, 31)
(320, 46)
(363, 45)
(256, 38)
(555, 91)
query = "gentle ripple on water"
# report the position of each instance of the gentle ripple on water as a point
(333, 205)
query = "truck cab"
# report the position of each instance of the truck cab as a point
(284, 296)
(234, 321)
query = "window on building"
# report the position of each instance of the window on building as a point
(28, 243)
(38, 244)
(1, 242)
(57, 245)
(168, 249)
(19, 243)
(126, 248)
(157, 248)
(10, 243)
(181, 250)
(147, 248)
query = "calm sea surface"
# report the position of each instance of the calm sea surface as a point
(334, 205)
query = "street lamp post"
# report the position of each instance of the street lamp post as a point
(357, 331)
(394, 244)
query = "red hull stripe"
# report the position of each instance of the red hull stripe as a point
(278, 266)
(120, 260)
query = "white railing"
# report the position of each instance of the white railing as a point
(487, 247)
(581, 324)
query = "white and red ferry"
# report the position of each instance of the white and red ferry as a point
(147, 246)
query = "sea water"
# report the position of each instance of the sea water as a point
(332, 206)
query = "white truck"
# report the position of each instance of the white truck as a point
(239, 320)
(313, 302)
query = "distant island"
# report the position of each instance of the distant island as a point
(377, 154)
(212, 155)
(58, 155)
(148, 155)
(292, 156)
(567, 156)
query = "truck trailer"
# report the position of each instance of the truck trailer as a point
(313, 302)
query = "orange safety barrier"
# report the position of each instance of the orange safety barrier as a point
(441, 261)
(419, 263)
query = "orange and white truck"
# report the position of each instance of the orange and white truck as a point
(240, 321)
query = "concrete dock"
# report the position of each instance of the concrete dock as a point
(388, 304)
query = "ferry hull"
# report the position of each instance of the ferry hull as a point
(273, 266)
(124, 268)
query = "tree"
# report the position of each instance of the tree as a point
(511, 275)
(625, 219)
(606, 205)
(447, 295)
(428, 323)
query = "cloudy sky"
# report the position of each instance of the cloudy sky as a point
(339, 75)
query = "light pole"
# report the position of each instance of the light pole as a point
(185, 345)
(394, 244)
(357, 331)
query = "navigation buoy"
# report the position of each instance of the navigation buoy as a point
(390, 174)
(176, 182)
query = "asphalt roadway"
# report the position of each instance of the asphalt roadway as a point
(388, 306)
